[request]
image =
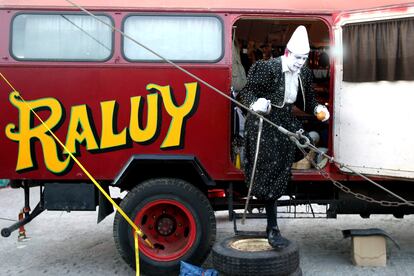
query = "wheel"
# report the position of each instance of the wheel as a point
(252, 255)
(5, 232)
(176, 217)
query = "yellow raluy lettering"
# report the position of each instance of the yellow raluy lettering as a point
(109, 139)
(178, 113)
(79, 118)
(138, 134)
(25, 134)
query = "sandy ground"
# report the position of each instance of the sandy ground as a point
(64, 243)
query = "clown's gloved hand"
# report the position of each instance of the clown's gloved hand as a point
(261, 106)
(321, 108)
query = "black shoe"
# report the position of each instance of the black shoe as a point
(275, 239)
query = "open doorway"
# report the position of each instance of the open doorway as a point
(265, 38)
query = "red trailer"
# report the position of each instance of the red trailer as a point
(138, 123)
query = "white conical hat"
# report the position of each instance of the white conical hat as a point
(299, 42)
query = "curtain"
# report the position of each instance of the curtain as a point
(378, 51)
(61, 37)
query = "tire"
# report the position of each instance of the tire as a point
(265, 261)
(175, 216)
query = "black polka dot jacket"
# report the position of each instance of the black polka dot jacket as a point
(277, 152)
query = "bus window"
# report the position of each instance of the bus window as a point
(177, 38)
(61, 37)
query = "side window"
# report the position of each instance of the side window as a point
(376, 51)
(63, 37)
(178, 38)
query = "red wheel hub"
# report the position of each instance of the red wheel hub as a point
(170, 226)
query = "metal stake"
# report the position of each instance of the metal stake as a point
(259, 134)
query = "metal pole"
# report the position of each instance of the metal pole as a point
(259, 134)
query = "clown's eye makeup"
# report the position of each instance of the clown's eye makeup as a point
(301, 57)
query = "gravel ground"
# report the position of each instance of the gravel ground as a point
(64, 243)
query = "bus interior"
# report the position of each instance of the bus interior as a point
(265, 38)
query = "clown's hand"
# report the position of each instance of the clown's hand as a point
(322, 113)
(261, 106)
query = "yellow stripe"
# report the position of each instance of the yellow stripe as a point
(136, 228)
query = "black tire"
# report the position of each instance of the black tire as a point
(231, 261)
(186, 227)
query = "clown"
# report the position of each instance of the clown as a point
(273, 87)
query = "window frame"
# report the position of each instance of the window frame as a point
(110, 56)
(223, 45)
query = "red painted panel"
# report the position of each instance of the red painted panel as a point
(206, 133)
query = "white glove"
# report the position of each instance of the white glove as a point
(322, 108)
(261, 106)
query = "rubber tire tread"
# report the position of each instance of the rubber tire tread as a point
(264, 263)
(168, 187)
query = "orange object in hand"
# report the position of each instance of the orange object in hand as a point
(320, 115)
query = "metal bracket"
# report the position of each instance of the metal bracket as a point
(6, 232)
(247, 233)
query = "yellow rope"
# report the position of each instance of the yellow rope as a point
(135, 227)
(136, 253)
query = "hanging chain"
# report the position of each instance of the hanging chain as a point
(344, 188)
(298, 137)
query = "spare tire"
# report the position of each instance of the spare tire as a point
(252, 255)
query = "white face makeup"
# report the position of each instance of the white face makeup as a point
(295, 62)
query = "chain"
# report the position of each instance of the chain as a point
(296, 137)
(344, 188)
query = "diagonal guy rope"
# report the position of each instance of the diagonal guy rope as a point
(293, 136)
(125, 216)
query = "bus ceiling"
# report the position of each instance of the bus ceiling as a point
(299, 6)
(277, 31)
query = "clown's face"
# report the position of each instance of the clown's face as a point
(295, 61)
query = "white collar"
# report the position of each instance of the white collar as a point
(284, 65)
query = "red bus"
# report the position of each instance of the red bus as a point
(138, 123)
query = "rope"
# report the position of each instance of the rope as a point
(307, 144)
(361, 175)
(8, 219)
(293, 136)
(135, 227)
(136, 245)
(280, 128)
